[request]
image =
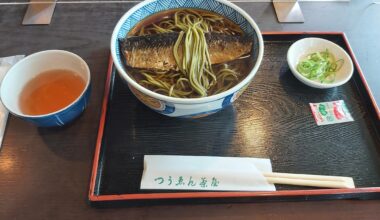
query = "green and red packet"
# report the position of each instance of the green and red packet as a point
(334, 112)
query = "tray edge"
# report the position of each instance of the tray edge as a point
(198, 195)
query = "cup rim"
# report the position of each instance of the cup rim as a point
(39, 54)
(206, 99)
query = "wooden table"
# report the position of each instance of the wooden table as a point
(44, 173)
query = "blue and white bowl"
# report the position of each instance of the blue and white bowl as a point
(28, 68)
(186, 107)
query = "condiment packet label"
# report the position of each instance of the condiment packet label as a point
(334, 112)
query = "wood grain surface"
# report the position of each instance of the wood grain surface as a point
(44, 173)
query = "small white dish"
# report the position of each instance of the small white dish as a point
(302, 48)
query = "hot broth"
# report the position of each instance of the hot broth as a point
(187, 53)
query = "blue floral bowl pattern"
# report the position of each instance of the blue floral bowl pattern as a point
(180, 107)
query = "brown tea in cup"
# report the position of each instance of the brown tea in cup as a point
(50, 91)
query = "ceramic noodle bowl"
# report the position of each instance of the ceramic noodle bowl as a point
(187, 107)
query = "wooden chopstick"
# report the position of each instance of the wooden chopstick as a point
(310, 180)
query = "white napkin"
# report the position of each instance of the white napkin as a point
(205, 173)
(5, 64)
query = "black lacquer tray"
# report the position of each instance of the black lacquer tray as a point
(272, 119)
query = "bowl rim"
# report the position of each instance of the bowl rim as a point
(206, 99)
(313, 83)
(88, 82)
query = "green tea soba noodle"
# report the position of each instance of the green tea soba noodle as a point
(194, 75)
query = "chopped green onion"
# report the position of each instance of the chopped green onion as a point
(320, 66)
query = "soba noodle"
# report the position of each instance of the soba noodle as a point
(194, 76)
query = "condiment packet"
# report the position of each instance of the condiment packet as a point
(5, 65)
(334, 112)
(168, 172)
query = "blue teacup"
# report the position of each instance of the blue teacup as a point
(33, 65)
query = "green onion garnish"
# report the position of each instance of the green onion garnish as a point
(320, 66)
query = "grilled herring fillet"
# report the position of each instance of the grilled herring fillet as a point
(156, 51)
